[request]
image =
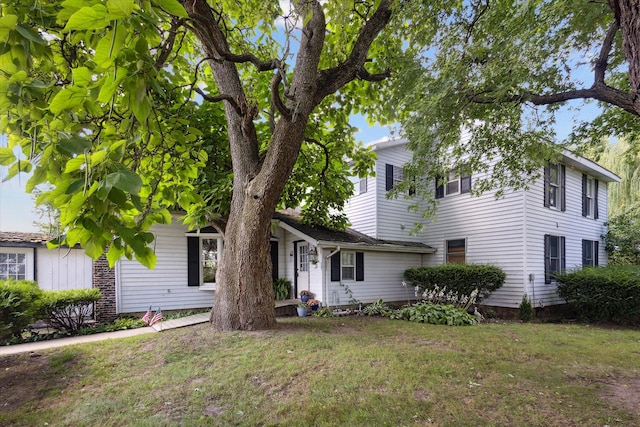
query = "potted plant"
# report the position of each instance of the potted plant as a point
(305, 295)
(313, 304)
(302, 310)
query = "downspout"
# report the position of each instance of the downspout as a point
(328, 277)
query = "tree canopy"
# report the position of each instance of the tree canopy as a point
(494, 74)
(114, 104)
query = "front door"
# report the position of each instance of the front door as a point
(302, 266)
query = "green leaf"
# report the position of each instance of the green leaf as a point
(7, 23)
(109, 48)
(126, 180)
(119, 9)
(172, 6)
(29, 34)
(74, 145)
(88, 18)
(147, 258)
(110, 85)
(6, 156)
(68, 98)
(114, 254)
(81, 76)
(69, 7)
(74, 164)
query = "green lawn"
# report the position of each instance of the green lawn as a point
(342, 371)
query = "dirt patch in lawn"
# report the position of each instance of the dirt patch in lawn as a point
(625, 394)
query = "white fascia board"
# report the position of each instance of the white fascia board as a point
(295, 232)
(377, 248)
(588, 166)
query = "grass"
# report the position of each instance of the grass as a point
(334, 371)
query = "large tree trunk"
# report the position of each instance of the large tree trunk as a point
(244, 297)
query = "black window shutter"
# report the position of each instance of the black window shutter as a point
(273, 249)
(563, 185)
(439, 187)
(585, 249)
(193, 261)
(465, 184)
(547, 193)
(563, 263)
(547, 258)
(388, 177)
(359, 266)
(596, 247)
(585, 201)
(595, 199)
(335, 267)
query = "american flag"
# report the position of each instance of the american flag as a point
(146, 316)
(156, 317)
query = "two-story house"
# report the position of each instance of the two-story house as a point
(556, 224)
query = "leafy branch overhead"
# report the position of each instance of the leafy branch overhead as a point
(112, 103)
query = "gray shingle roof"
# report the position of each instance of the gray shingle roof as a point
(19, 239)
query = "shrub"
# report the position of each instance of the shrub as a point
(460, 278)
(19, 306)
(68, 310)
(378, 308)
(281, 288)
(436, 314)
(525, 310)
(603, 293)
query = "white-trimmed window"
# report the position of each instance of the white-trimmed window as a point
(590, 253)
(554, 186)
(554, 256)
(203, 255)
(394, 175)
(456, 251)
(452, 184)
(13, 266)
(363, 185)
(589, 197)
(348, 265)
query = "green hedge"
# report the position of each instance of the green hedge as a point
(460, 278)
(70, 309)
(603, 293)
(19, 306)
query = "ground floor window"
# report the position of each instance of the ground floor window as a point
(456, 251)
(203, 255)
(209, 260)
(348, 265)
(554, 256)
(13, 266)
(590, 253)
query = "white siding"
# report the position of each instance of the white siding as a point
(166, 285)
(570, 224)
(494, 233)
(359, 208)
(383, 275)
(64, 268)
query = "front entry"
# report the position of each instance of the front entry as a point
(302, 266)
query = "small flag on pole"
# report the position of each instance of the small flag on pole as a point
(156, 317)
(146, 316)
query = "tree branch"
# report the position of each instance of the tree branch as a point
(167, 46)
(326, 155)
(363, 74)
(332, 79)
(275, 96)
(603, 58)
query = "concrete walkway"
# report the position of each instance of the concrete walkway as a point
(60, 342)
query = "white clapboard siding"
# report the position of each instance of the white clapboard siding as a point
(570, 224)
(166, 285)
(63, 268)
(359, 208)
(383, 275)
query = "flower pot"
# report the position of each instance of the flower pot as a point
(314, 307)
(304, 298)
(302, 311)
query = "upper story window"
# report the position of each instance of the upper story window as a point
(590, 253)
(589, 197)
(363, 185)
(554, 186)
(13, 266)
(456, 251)
(393, 176)
(452, 184)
